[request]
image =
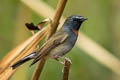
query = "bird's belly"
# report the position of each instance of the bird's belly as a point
(60, 51)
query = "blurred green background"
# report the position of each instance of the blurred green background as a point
(103, 26)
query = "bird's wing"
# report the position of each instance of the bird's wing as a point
(49, 45)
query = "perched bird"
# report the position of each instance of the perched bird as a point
(59, 44)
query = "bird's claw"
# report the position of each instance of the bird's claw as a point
(67, 59)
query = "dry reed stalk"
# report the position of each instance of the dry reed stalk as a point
(87, 40)
(54, 25)
(16, 54)
(66, 69)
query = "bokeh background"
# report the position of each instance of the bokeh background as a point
(103, 27)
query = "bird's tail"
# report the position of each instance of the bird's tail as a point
(23, 60)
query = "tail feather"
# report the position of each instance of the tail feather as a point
(23, 60)
(37, 58)
(33, 62)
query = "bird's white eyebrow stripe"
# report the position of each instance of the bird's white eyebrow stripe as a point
(80, 17)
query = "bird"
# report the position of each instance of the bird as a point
(57, 45)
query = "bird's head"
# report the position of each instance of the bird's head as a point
(74, 22)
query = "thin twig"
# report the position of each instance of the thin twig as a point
(66, 69)
(54, 25)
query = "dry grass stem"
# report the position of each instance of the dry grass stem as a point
(66, 69)
(54, 25)
(16, 54)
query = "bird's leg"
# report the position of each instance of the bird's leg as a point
(67, 59)
(65, 63)
(57, 59)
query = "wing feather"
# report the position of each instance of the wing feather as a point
(49, 45)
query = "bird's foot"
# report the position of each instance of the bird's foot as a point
(68, 60)
(57, 59)
(65, 59)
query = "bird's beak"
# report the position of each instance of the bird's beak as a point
(84, 19)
